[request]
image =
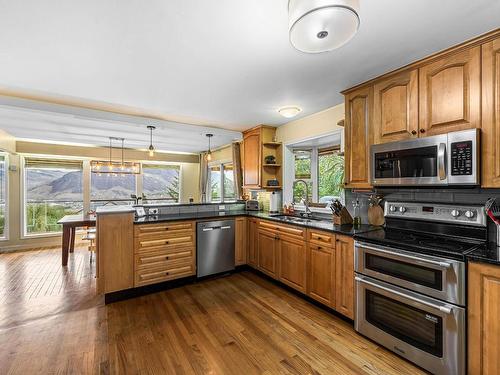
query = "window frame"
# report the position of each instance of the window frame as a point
(220, 164)
(6, 233)
(140, 182)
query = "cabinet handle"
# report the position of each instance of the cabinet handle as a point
(166, 228)
(166, 273)
(413, 132)
(167, 258)
(422, 130)
(166, 242)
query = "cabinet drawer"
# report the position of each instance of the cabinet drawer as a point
(280, 228)
(156, 275)
(163, 228)
(163, 257)
(326, 248)
(151, 244)
(320, 238)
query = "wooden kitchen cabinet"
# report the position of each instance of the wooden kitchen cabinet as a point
(344, 275)
(483, 319)
(252, 242)
(321, 273)
(267, 247)
(450, 93)
(240, 245)
(357, 132)
(490, 137)
(292, 261)
(251, 159)
(395, 107)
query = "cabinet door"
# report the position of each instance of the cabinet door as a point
(251, 159)
(268, 253)
(344, 276)
(240, 247)
(450, 96)
(395, 107)
(357, 137)
(321, 274)
(292, 262)
(483, 319)
(253, 239)
(490, 137)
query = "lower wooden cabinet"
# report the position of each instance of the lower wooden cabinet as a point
(321, 273)
(252, 242)
(484, 319)
(267, 247)
(292, 262)
(240, 239)
(344, 275)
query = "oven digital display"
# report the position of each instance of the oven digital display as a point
(429, 209)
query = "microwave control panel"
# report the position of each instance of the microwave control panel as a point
(461, 158)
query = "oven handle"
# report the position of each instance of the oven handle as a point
(444, 309)
(441, 161)
(433, 262)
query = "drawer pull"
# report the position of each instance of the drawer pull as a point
(167, 257)
(166, 242)
(166, 273)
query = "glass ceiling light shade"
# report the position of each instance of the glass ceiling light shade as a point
(289, 112)
(151, 147)
(322, 25)
(208, 155)
(115, 168)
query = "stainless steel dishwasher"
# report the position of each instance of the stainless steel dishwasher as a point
(214, 247)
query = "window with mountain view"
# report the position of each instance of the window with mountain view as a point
(53, 188)
(107, 189)
(161, 182)
(3, 196)
(221, 179)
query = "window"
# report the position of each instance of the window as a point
(221, 180)
(109, 189)
(161, 181)
(3, 196)
(53, 188)
(322, 170)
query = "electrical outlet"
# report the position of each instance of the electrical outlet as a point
(222, 207)
(153, 211)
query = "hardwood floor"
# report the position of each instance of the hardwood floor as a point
(51, 322)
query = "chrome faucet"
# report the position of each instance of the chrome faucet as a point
(305, 198)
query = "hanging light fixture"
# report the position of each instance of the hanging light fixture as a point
(115, 168)
(151, 147)
(322, 25)
(208, 156)
(289, 112)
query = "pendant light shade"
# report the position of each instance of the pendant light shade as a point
(151, 147)
(208, 156)
(322, 25)
(112, 167)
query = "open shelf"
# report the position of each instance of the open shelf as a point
(272, 187)
(271, 165)
(272, 144)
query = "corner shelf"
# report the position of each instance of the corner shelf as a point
(272, 165)
(272, 144)
(272, 187)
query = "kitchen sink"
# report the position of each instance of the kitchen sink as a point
(297, 219)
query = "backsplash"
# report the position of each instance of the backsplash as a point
(194, 208)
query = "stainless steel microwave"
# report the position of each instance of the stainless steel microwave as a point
(445, 159)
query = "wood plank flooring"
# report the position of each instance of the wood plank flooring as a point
(51, 322)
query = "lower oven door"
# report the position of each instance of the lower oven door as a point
(433, 276)
(426, 331)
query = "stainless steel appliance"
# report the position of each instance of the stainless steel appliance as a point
(411, 282)
(252, 205)
(214, 247)
(446, 159)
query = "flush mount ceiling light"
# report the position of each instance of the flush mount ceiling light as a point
(289, 112)
(322, 25)
(208, 156)
(151, 147)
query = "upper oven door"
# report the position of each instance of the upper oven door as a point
(414, 162)
(437, 277)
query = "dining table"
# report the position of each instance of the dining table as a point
(69, 225)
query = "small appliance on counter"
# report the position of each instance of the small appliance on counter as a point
(252, 205)
(492, 208)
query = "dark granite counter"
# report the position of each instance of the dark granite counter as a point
(489, 253)
(325, 225)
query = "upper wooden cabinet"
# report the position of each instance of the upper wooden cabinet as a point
(258, 143)
(491, 114)
(450, 93)
(395, 107)
(483, 322)
(358, 130)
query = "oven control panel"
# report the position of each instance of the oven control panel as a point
(472, 215)
(461, 158)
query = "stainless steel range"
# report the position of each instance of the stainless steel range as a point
(411, 282)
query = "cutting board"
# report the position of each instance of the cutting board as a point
(376, 215)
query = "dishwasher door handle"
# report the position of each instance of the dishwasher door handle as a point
(208, 229)
(226, 227)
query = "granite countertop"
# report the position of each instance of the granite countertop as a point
(114, 209)
(489, 253)
(325, 225)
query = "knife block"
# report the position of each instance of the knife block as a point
(344, 217)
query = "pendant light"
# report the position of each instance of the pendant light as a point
(151, 147)
(322, 25)
(115, 168)
(208, 156)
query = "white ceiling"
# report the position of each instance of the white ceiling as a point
(226, 63)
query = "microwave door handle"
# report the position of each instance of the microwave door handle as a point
(441, 161)
(444, 309)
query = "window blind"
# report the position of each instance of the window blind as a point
(42, 163)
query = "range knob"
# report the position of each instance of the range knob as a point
(455, 213)
(469, 214)
(402, 209)
(392, 208)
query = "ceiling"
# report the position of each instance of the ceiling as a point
(223, 63)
